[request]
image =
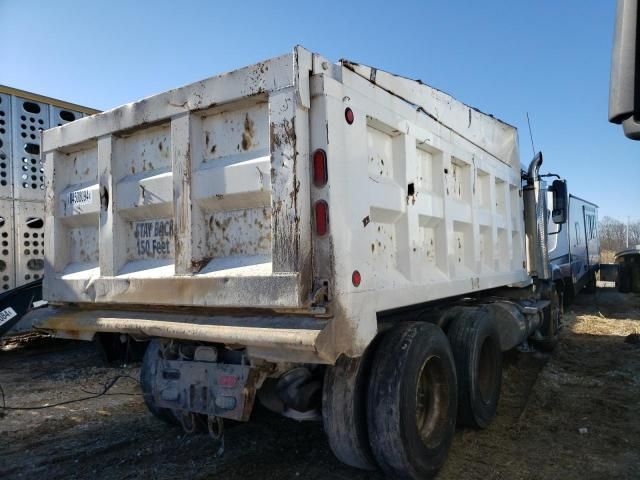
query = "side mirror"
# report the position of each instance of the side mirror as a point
(624, 90)
(560, 201)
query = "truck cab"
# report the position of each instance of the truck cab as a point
(574, 247)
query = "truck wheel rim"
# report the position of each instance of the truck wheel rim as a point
(432, 401)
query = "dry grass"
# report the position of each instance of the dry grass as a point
(601, 325)
(607, 256)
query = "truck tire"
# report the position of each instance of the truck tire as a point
(412, 400)
(344, 411)
(147, 376)
(475, 343)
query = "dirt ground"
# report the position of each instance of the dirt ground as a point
(591, 384)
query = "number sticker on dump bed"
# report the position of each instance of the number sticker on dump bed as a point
(81, 197)
(154, 238)
(6, 315)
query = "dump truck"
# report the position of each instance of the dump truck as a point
(328, 239)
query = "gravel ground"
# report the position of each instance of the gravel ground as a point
(574, 414)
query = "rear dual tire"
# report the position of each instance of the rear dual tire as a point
(412, 400)
(475, 343)
(344, 411)
(396, 407)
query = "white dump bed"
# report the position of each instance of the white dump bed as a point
(204, 196)
(186, 198)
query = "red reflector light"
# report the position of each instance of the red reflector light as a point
(227, 380)
(348, 115)
(320, 176)
(322, 217)
(356, 278)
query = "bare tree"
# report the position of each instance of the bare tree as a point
(634, 233)
(613, 234)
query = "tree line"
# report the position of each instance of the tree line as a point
(613, 234)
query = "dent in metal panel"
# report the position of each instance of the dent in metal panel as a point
(151, 282)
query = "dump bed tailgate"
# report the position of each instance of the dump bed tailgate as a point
(194, 197)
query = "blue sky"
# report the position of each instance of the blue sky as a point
(547, 57)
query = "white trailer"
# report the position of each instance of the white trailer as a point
(328, 237)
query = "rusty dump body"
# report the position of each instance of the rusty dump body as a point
(193, 214)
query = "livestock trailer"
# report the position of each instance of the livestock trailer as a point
(329, 238)
(23, 116)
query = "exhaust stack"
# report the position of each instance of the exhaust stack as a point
(535, 207)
